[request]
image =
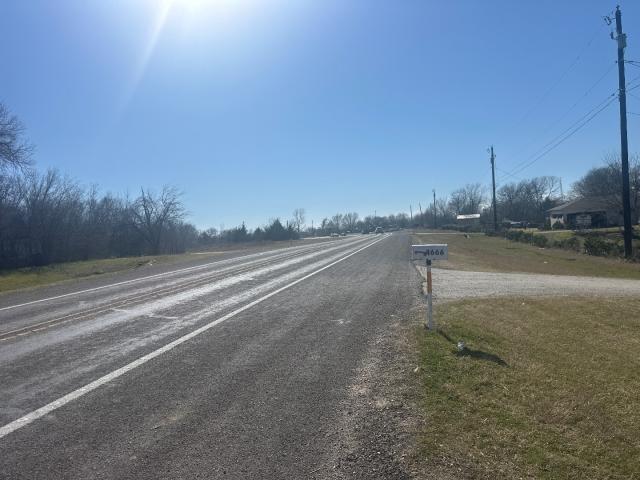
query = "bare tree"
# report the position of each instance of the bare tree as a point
(15, 152)
(528, 199)
(606, 182)
(350, 220)
(298, 218)
(468, 199)
(153, 215)
(336, 221)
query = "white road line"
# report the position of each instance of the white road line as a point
(196, 267)
(69, 397)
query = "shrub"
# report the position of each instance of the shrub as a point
(595, 245)
(558, 226)
(540, 241)
(526, 237)
(514, 235)
(571, 243)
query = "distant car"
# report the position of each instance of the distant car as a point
(343, 234)
(335, 234)
(378, 230)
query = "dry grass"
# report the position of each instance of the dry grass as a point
(548, 388)
(479, 252)
(36, 276)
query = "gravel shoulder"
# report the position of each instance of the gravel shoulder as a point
(457, 284)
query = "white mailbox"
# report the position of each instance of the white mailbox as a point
(431, 251)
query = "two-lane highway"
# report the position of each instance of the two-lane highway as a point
(232, 368)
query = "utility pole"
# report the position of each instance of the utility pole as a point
(621, 38)
(435, 223)
(411, 214)
(421, 216)
(493, 178)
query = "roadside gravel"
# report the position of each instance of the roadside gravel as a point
(457, 284)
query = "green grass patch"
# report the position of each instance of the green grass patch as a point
(547, 388)
(478, 252)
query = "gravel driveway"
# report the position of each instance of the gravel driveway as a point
(455, 284)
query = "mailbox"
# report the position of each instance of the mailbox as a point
(431, 251)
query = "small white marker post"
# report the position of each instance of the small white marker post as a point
(431, 251)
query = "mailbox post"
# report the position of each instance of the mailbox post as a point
(432, 251)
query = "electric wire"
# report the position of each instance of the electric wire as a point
(519, 167)
(561, 134)
(574, 127)
(562, 76)
(560, 140)
(567, 112)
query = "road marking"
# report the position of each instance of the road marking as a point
(256, 266)
(195, 267)
(69, 397)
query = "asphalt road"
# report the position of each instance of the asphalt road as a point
(237, 368)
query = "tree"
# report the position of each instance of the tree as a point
(350, 220)
(529, 199)
(468, 199)
(15, 152)
(276, 231)
(336, 222)
(606, 181)
(152, 215)
(298, 218)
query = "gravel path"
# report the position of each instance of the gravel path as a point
(455, 284)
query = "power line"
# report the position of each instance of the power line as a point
(517, 167)
(560, 141)
(561, 77)
(569, 110)
(561, 134)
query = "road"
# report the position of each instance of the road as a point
(238, 368)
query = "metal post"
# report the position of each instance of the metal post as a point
(430, 325)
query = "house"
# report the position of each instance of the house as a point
(594, 212)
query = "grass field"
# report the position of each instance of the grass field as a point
(547, 388)
(479, 252)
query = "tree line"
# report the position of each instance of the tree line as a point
(529, 199)
(46, 217)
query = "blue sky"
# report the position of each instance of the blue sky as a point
(254, 108)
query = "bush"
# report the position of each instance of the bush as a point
(595, 245)
(558, 226)
(514, 235)
(571, 243)
(540, 241)
(526, 237)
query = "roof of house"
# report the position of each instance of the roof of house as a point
(585, 205)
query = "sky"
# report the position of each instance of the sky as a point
(256, 107)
